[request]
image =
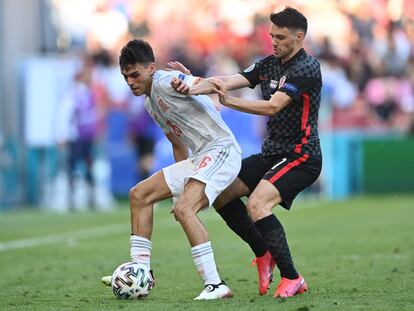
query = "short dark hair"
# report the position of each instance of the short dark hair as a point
(136, 51)
(290, 18)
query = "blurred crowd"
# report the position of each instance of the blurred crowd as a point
(366, 50)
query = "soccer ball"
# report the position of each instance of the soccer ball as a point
(132, 281)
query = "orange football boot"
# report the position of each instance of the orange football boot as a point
(289, 288)
(265, 265)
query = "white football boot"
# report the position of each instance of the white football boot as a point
(107, 280)
(215, 291)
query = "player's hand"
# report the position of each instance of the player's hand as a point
(221, 88)
(174, 65)
(180, 86)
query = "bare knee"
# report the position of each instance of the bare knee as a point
(257, 209)
(183, 212)
(138, 196)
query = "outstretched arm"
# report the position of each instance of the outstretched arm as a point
(203, 86)
(277, 102)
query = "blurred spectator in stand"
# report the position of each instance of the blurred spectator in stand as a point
(392, 48)
(106, 28)
(367, 46)
(359, 68)
(379, 95)
(141, 131)
(138, 23)
(77, 130)
(392, 99)
(192, 56)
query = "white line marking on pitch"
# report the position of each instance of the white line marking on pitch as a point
(71, 237)
(68, 237)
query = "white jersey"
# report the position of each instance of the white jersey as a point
(194, 119)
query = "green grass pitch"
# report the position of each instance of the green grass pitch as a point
(355, 255)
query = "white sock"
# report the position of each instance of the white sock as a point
(140, 250)
(204, 261)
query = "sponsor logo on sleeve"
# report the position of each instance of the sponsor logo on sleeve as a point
(290, 87)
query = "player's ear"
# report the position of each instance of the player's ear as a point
(300, 35)
(152, 68)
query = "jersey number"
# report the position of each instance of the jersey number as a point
(204, 162)
(177, 131)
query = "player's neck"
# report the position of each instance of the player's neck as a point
(149, 88)
(291, 55)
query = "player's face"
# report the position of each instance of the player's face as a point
(285, 43)
(139, 78)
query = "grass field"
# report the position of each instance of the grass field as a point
(355, 255)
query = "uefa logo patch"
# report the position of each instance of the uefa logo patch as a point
(290, 87)
(248, 69)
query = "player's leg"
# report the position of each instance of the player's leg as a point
(142, 198)
(260, 205)
(233, 210)
(190, 202)
(280, 186)
(215, 171)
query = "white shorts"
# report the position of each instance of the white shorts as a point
(217, 168)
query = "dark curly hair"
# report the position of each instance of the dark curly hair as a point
(136, 51)
(290, 18)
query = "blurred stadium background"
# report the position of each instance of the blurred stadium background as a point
(366, 49)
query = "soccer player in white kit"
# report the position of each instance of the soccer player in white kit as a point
(189, 122)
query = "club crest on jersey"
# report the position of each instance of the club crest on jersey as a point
(163, 106)
(273, 84)
(282, 81)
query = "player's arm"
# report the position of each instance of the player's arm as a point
(180, 150)
(277, 102)
(205, 86)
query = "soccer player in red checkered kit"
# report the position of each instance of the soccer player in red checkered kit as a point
(290, 159)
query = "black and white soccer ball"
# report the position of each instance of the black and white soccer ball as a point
(132, 281)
